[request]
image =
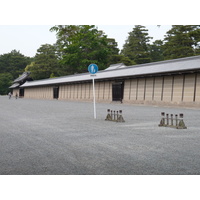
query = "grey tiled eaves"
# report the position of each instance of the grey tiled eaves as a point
(162, 67)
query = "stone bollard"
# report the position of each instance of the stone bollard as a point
(120, 118)
(176, 119)
(181, 124)
(162, 121)
(111, 115)
(115, 116)
(172, 120)
(108, 117)
(167, 119)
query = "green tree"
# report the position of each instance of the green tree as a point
(11, 66)
(136, 47)
(13, 63)
(121, 59)
(82, 45)
(195, 35)
(5, 82)
(156, 51)
(182, 41)
(45, 64)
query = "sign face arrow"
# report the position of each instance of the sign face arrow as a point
(93, 68)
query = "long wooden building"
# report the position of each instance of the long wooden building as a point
(167, 82)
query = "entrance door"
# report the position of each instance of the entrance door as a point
(117, 91)
(56, 92)
(21, 92)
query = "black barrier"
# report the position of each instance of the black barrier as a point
(176, 122)
(115, 116)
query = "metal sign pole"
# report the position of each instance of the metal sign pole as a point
(95, 115)
(93, 69)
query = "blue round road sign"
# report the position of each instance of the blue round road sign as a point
(93, 68)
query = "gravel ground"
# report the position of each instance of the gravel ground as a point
(52, 137)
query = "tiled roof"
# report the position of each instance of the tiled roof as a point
(22, 77)
(14, 85)
(116, 66)
(162, 67)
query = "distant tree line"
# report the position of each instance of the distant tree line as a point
(11, 66)
(180, 41)
(77, 46)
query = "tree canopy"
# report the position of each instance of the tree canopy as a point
(82, 45)
(77, 46)
(5, 82)
(11, 66)
(137, 45)
(182, 41)
(13, 63)
(46, 63)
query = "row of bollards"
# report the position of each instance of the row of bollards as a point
(166, 120)
(115, 116)
(171, 121)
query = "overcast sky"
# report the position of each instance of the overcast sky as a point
(33, 19)
(28, 38)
